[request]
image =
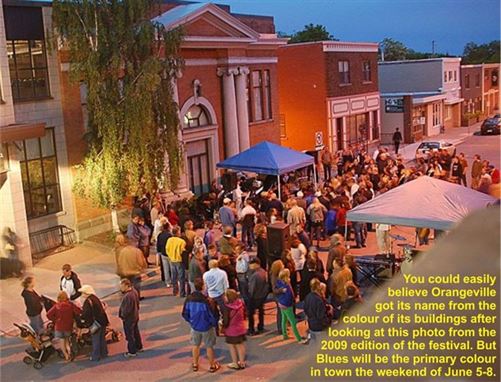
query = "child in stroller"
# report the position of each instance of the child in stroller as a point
(41, 346)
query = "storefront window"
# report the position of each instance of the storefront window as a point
(356, 126)
(39, 174)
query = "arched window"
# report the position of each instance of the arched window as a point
(196, 116)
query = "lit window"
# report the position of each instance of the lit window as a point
(28, 69)
(196, 116)
(39, 174)
(366, 69)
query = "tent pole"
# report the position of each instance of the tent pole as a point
(279, 188)
(345, 229)
(315, 176)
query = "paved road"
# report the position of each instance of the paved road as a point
(488, 147)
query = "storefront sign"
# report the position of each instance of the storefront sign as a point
(319, 140)
(394, 105)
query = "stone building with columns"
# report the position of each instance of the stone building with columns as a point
(328, 95)
(227, 94)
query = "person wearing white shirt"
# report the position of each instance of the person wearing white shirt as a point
(248, 220)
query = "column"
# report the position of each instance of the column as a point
(231, 142)
(182, 186)
(242, 110)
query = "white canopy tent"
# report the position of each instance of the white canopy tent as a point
(425, 202)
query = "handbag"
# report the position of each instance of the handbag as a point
(94, 327)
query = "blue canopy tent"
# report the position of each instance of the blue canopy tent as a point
(269, 159)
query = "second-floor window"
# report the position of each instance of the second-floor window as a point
(344, 72)
(259, 96)
(467, 81)
(366, 69)
(28, 69)
(477, 80)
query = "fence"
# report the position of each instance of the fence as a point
(51, 238)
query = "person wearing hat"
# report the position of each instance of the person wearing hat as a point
(226, 214)
(93, 315)
(301, 202)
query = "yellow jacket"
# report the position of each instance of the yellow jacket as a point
(174, 248)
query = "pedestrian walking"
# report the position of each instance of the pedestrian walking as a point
(397, 138)
(129, 314)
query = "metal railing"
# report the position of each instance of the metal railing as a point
(51, 238)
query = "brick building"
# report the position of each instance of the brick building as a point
(328, 94)
(227, 96)
(480, 89)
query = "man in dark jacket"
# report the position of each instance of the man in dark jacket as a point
(258, 291)
(70, 283)
(161, 243)
(397, 138)
(129, 313)
(203, 319)
(93, 311)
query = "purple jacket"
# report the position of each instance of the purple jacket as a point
(234, 319)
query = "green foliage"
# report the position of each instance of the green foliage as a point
(127, 63)
(311, 33)
(395, 51)
(483, 53)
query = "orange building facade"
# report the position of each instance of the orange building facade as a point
(328, 94)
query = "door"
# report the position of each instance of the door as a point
(198, 166)
(339, 134)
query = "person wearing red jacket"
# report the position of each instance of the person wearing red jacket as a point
(62, 314)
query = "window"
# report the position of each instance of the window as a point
(258, 94)
(455, 75)
(196, 116)
(283, 127)
(436, 114)
(40, 175)
(267, 95)
(375, 125)
(28, 69)
(467, 81)
(450, 76)
(344, 72)
(445, 76)
(356, 126)
(477, 80)
(366, 69)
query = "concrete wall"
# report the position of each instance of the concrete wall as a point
(410, 76)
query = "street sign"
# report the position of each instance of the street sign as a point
(319, 140)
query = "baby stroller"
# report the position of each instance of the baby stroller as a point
(41, 346)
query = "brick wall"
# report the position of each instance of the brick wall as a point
(358, 86)
(261, 24)
(302, 94)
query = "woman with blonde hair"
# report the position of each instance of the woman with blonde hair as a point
(318, 312)
(285, 302)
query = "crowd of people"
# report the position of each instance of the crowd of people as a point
(217, 256)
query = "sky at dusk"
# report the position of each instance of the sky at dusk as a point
(451, 23)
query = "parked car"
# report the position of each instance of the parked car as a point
(491, 125)
(425, 147)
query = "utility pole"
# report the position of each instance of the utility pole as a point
(433, 47)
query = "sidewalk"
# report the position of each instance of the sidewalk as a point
(454, 135)
(93, 262)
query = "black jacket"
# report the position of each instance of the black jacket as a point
(316, 311)
(162, 242)
(33, 303)
(93, 310)
(129, 308)
(258, 284)
(76, 285)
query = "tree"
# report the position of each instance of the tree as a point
(483, 53)
(311, 33)
(392, 50)
(127, 63)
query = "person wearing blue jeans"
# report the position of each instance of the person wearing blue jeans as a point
(178, 279)
(129, 313)
(93, 311)
(360, 234)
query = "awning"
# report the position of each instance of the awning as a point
(21, 131)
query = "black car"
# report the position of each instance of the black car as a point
(491, 125)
